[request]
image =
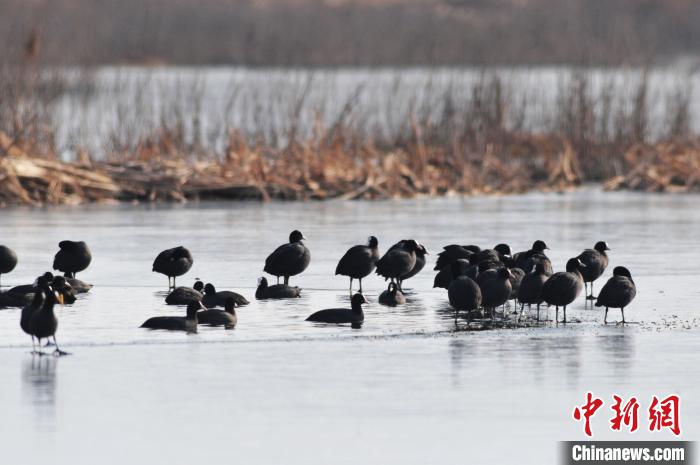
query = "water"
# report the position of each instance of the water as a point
(130, 103)
(405, 388)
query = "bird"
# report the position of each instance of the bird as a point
(212, 298)
(29, 310)
(276, 291)
(173, 263)
(289, 259)
(23, 289)
(421, 252)
(453, 252)
(72, 257)
(398, 261)
(61, 286)
(392, 296)
(359, 261)
(445, 276)
(177, 323)
(596, 261)
(463, 292)
(8, 260)
(618, 292)
(226, 318)
(487, 255)
(11, 299)
(563, 287)
(43, 322)
(354, 315)
(495, 288)
(530, 290)
(527, 259)
(183, 295)
(505, 255)
(81, 287)
(516, 278)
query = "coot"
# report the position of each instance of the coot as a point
(81, 287)
(526, 260)
(61, 286)
(276, 291)
(289, 259)
(184, 295)
(226, 318)
(398, 261)
(176, 323)
(359, 261)
(495, 288)
(29, 310)
(218, 299)
(530, 291)
(355, 315)
(595, 260)
(463, 292)
(173, 263)
(44, 323)
(563, 287)
(516, 278)
(8, 260)
(392, 296)
(618, 292)
(454, 252)
(444, 276)
(11, 299)
(421, 252)
(73, 257)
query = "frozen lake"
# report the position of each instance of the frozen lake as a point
(405, 388)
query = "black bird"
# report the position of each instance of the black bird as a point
(184, 295)
(226, 318)
(359, 261)
(72, 258)
(173, 263)
(8, 260)
(24, 289)
(463, 292)
(488, 255)
(81, 287)
(43, 322)
(218, 299)
(444, 276)
(398, 261)
(288, 259)
(595, 261)
(495, 288)
(530, 291)
(618, 292)
(526, 260)
(276, 291)
(61, 286)
(421, 252)
(454, 252)
(392, 296)
(28, 311)
(516, 278)
(176, 323)
(354, 316)
(563, 287)
(505, 255)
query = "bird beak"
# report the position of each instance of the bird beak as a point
(59, 297)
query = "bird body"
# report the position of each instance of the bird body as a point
(354, 315)
(176, 323)
(562, 288)
(28, 312)
(530, 289)
(392, 296)
(618, 292)
(81, 287)
(421, 252)
(212, 298)
(289, 259)
(595, 261)
(451, 253)
(8, 260)
(276, 291)
(359, 261)
(226, 317)
(495, 287)
(463, 293)
(398, 261)
(528, 259)
(184, 295)
(72, 257)
(173, 263)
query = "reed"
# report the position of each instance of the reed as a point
(168, 143)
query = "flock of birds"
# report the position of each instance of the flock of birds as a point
(478, 282)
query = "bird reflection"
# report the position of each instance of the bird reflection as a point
(39, 383)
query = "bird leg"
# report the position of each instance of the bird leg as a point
(58, 352)
(522, 309)
(605, 320)
(623, 315)
(538, 312)
(350, 285)
(278, 279)
(556, 314)
(456, 314)
(564, 321)
(590, 296)
(360, 285)
(286, 280)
